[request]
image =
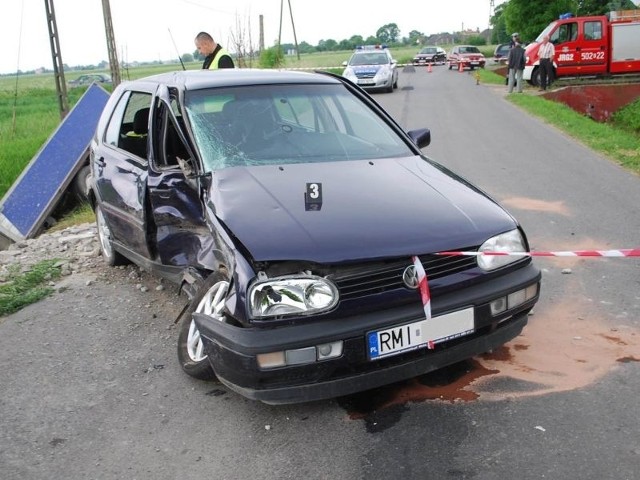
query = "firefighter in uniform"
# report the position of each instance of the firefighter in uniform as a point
(215, 55)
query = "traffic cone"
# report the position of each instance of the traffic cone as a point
(429, 68)
(460, 67)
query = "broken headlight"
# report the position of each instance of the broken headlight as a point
(291, 295)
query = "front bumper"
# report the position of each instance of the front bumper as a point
(374, 83)
(425, 61)
(472, 63)
(232, 350)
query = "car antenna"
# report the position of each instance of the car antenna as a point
(176, 47)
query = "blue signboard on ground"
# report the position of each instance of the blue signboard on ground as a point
(36, 192)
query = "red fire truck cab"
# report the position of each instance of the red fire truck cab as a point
(599, 45)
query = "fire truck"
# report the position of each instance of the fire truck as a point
(597, 46)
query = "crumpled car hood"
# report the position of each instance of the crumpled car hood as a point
(370, 210)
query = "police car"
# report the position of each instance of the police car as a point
(373, 68)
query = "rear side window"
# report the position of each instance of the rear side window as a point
(592, 30)
(128, 128)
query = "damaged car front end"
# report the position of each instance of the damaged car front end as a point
(297, 215)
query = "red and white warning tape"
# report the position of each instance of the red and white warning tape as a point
(628, 252)
(423, 284)
(423, 288)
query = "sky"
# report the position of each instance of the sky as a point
(149, 30)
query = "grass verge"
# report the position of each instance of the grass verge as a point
(617, 140)
(82, 213)
(25, 288)
(619, 145)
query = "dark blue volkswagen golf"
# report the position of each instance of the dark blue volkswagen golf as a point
(308, 231)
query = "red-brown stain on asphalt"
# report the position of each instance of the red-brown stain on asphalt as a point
(569, 343)
(454, 388)
(628, 359)
(524, 203)
(614, 339)
(501, 354)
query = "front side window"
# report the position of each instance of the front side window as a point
(283, 124)
(168, 146)
(567, 32)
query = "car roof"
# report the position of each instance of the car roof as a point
(231, 77)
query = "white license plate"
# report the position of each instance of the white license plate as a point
(365, 82)
(475, 63)
(404, 338)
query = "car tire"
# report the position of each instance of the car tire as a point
(450, 66)
(111, 257)
(81, 184)
(535, 77)
(208, 299)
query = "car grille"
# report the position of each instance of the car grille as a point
(377, 278)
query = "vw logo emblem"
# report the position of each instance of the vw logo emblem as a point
(410, 277)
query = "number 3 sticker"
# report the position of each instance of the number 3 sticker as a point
(313, 196)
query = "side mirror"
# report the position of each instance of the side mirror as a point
(421, 137)
(345, 63)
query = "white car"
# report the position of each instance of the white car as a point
(372, 68)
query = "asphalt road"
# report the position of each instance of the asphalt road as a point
(91, 387)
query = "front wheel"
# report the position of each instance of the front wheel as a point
(535, 77)
(109, 254)
(209, 300)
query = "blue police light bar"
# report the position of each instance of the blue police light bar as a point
(34, 195)
(372, 47)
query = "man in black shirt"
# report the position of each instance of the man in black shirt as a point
(516, 63)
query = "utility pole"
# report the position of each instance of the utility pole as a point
(58, 66)
(261, 39)
(295, 39)
(491, 10)
(111, 43)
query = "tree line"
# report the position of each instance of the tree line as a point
(529, 18)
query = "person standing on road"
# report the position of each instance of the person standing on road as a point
(215, 55)
(516, 63)
(547, 53)
(515, 38)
